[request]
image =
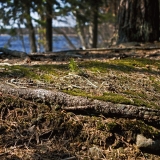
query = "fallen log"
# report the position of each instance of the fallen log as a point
(82, 104)
(97, 53)
(14, 53)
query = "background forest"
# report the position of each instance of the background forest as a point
(88, 26)
(94, 22)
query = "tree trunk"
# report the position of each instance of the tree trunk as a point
(30, 27)
(95, 24)
(80, 32)
(14, 53)
(48, 26)
(90, 35)
(138, 21)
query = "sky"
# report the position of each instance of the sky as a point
(68, 21)
(60, 21)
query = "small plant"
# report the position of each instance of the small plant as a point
(73, 66)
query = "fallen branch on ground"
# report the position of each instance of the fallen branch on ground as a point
(14, 53)
(82, 104)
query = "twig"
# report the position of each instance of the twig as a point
(91, 83)
(70, 158)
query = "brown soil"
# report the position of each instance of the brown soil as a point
(35, 131)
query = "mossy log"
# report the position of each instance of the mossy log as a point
(82, 104)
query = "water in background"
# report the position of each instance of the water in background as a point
(15, 43)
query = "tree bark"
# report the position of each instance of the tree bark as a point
(81, 104)
(80, 32)
(48, 26)
(14, 53)
(95, 24)
(138, 21)
(30, 27)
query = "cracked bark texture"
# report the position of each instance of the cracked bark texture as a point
(82, 104)
(138, 21)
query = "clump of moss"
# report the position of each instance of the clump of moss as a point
(77, 92)
(113, 127)
(100, 125)
(22, 71)
(113, 97)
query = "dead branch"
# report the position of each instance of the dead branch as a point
(82, 104)
(14, 53)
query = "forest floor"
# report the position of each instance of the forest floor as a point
(126, 76)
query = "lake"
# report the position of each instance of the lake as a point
(15, 43)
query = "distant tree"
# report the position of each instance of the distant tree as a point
(138, 21)
(88, 15)
(95, 7)
(18, 12)
(48, 24)
(46, 11)
(26, 7)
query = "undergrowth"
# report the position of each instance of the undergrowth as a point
(130, 81)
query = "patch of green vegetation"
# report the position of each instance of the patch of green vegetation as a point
(23, 71)
(96, 66)
(155, 83)
(139, 99)
(55, 69)
(113, 127)
(138, 62)
(137, 94)
(152, 78)
(47, 73)
(100, 125)
(73, 66)
(47, 78)
(113, 97)
(116, 98)
(51, 67)
(38, 72)
(124, 65)
(157, 86)
(77, 92)
(105, 66)
(141, 102)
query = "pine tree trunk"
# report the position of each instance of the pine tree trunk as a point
(80, 32)
(30, 27)
(95, 24)
(48, 26)
(138, 21)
